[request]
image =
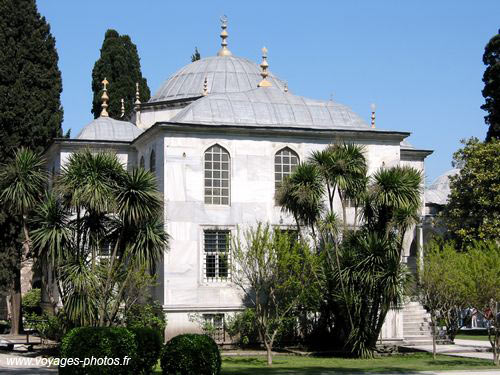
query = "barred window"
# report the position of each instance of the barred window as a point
(285, 162)
(216, 255)
(141, 162)
(214, 326)
(152, 162)
(217, 175)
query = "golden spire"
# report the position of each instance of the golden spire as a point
(224, 51)
(205, 87)
(373, 107)
(123, 107)
(137, 102)
(264, 65)
(105, 98)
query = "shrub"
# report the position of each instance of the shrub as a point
(51, 327)
(31, 302)
(191, 354)
(146, 315)
(149, 345)
(99, 342)
(243, 326)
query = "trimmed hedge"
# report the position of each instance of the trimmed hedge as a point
(149, 345)
(191, 354)
(104, 344)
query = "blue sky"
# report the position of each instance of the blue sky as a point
(419, 61)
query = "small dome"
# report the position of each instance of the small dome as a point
(223, 74)
(439, 190)
(270, 106)
(108, 129)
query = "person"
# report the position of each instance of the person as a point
(473, 323)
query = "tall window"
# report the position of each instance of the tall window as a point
(152, 162)
(285, 162)
(217, 175)
(216, 255)
(214, 326)
(141, 162)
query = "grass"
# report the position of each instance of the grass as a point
(311, 365)
(295, 365)
(472, 337)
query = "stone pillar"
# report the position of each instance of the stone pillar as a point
(420, 248)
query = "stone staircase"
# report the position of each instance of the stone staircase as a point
(416, 324)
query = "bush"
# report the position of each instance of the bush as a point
(191, 354)
(51, 327)
(146, 315)
(149, 345)
(243, 326)
(99, 343)
(31, 302)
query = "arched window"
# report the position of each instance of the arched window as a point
(217, 175)
(152, 162)
(285, 162)
(141, 162)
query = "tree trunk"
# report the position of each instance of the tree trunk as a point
(15, 305)
(433, 322)
(269, 348)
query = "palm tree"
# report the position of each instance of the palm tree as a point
(22, 184)
(343, 168)
(301, 193)
(101, 225)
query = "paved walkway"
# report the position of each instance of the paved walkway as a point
(461, 348)
(6, 368)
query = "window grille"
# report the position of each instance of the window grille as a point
(214, 326)
(217, 175)
(285, 162)
(216, 255)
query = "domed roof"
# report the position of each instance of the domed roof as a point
(439, 190)
(270, 106)
(223, 74)
(108, 129)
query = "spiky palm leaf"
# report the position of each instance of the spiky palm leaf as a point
(88, 180)
(22, 181)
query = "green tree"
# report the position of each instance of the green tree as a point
(273, 269)
(119, 63)
(442, 287)
(98, 230)
(22, 184)
(30, 108)
(473, 209)
(491, 91)
(482, 286)
(196, 55)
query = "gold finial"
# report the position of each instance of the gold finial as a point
(123, 107)
(286, 87)
(224, 51)
(205, 87)
(137, 100)
(264, 65)
(373, 107)
(105, 98)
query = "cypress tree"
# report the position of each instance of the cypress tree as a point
(30, 114)
(120, 65)
(491, 91)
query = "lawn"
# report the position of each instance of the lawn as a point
(472, 337)
(313, 365)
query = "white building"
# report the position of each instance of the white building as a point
(219, 134)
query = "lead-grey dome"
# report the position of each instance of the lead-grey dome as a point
(108, 129)
(223, 73)
(270, 106)
(439, 190)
